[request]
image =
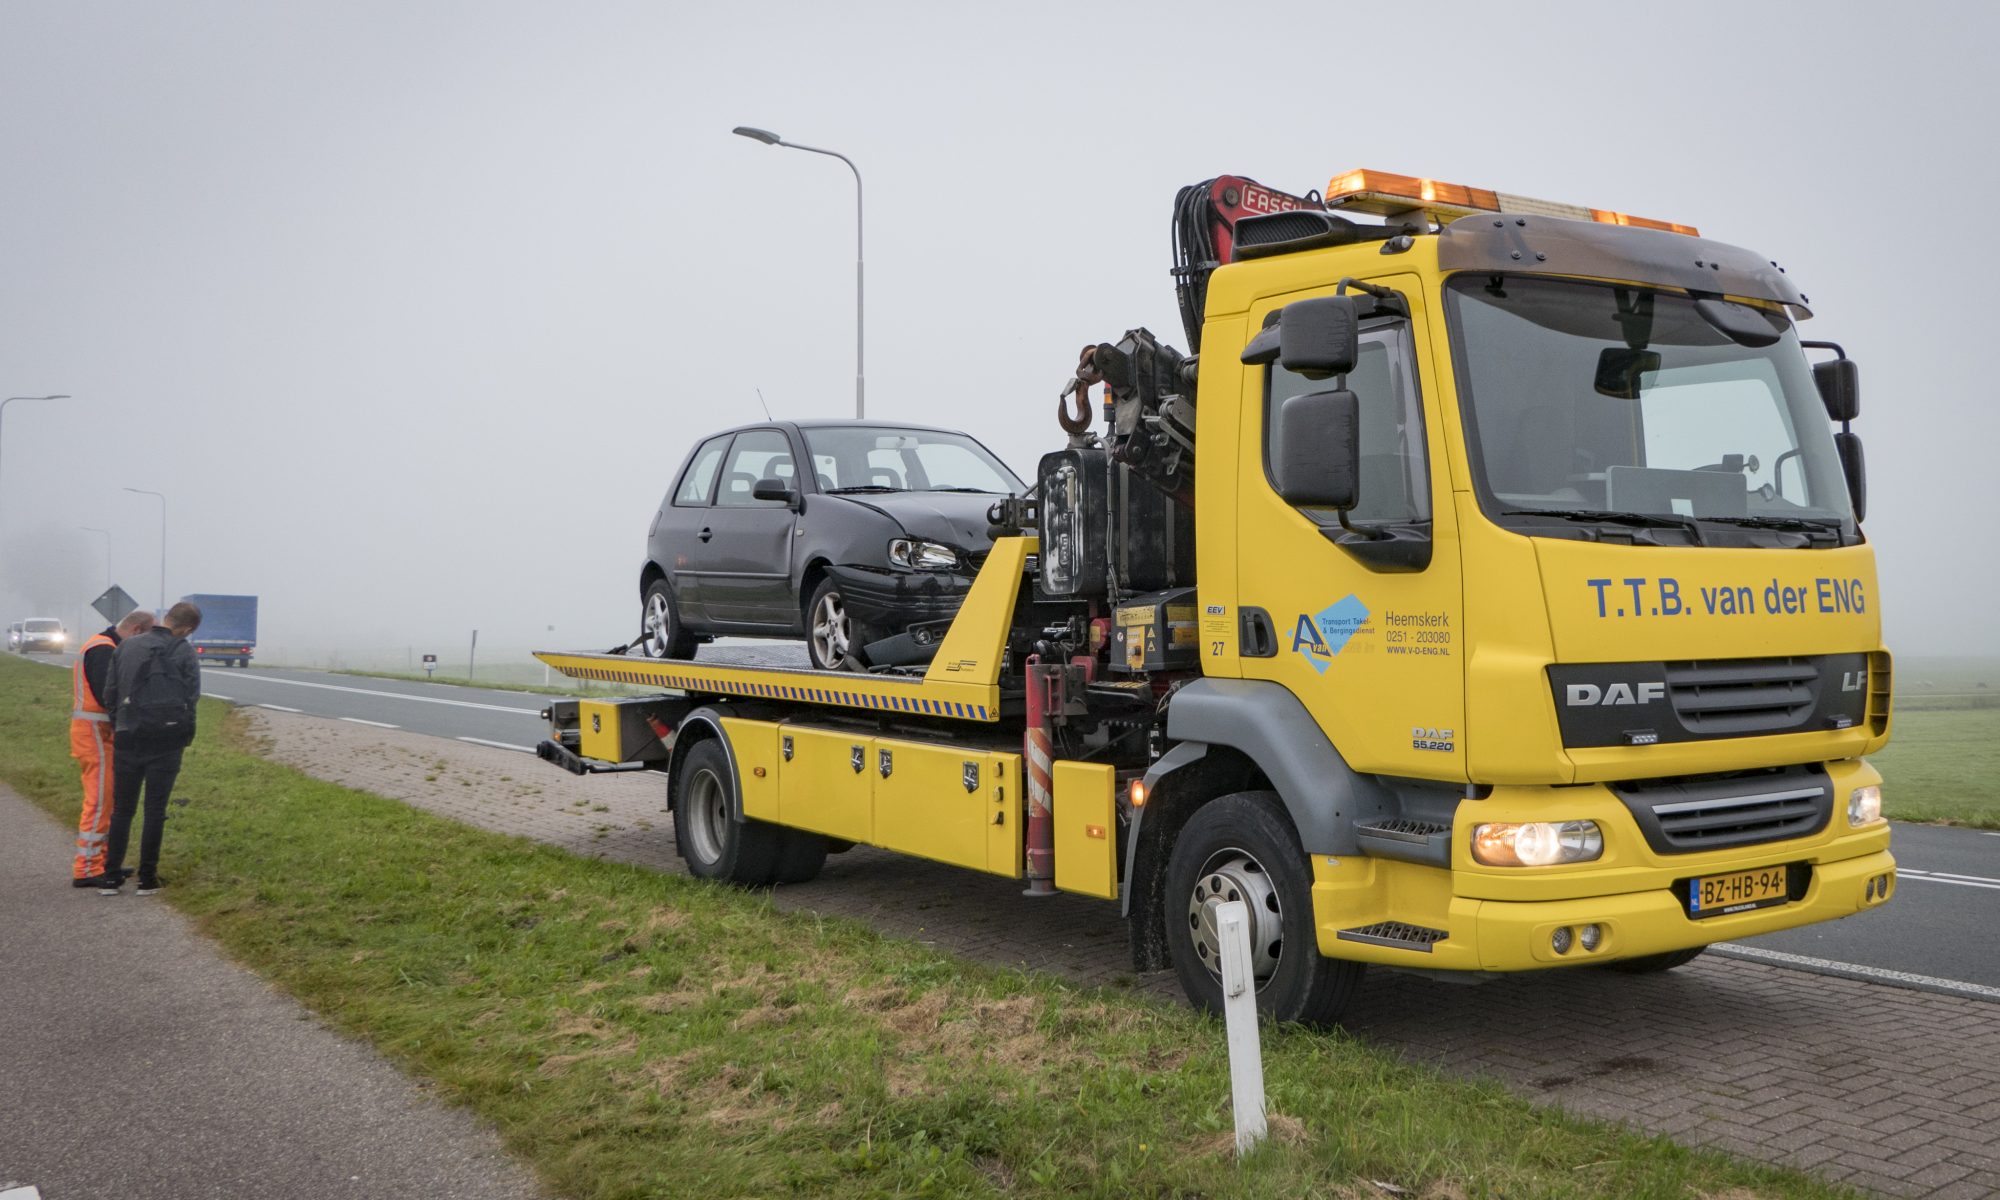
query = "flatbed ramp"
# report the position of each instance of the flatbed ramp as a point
(962, 682)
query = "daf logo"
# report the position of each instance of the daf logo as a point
(1583, 695)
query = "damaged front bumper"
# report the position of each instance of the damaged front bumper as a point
(904, 613)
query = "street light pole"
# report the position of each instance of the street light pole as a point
(860, 373)
(163, 542)
(107, 551)
(11, 399)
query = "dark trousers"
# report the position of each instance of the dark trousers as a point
(136, 764)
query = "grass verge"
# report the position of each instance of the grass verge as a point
(633, 1034)
(1940, 766)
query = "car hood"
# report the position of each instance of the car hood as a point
(954, 518)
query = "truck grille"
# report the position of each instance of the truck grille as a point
(1686, 815)
(1728, 697)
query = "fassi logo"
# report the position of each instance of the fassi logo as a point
(1583, 695)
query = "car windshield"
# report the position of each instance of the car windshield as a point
(1591, 401)
(871, 458)
(44, 626)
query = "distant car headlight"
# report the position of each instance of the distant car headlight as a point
(1864, 805)
(58, 637)
(1536, 843)
(918, 555)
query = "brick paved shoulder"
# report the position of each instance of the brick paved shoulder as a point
(1886, 1089)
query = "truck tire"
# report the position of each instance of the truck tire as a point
(712, 843)
(663, 635)
(1243, 847)
(800, 858)
(1652, 964)
(833, 637)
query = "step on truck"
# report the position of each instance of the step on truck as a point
(1484, 592)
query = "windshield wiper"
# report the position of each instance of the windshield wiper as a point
(1801, 523)
(974, 491)
(861, 487)
(1614, 517)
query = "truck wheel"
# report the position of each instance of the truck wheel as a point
(1243, 847)
(801, 857)
(713, 843)
(833, 637)
(1652, 964)
(660, 621)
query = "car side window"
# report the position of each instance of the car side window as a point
(699, 479)
(758, 454)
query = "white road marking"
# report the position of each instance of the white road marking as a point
(26, 1192)
(498, 745)
(376, 724)
(281, 708)
(1975, 881)
(333, 687)
(219, 696)
(1930, 982)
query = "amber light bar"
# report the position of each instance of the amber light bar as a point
(1386, 194)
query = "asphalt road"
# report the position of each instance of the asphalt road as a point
(1936, 929)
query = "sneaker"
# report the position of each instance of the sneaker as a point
(148, 886)
(84, 881)
(110, 885)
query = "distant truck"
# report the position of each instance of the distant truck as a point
(228, 632)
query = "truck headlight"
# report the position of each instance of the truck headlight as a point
(918, 555)
(1864, 804)
(1536, 843)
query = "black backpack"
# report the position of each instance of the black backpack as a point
(160, 705)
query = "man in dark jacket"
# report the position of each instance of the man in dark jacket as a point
(151, 693)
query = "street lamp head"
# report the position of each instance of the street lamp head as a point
(761, 135)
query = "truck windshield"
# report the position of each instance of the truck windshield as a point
(1589, 401)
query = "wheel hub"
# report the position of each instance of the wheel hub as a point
(1235, 875)
(706, 810)
(831, 633)
(658, 619)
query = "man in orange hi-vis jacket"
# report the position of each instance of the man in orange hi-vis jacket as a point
(90, 743)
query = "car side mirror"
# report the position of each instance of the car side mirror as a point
(1839, 383)
(775, 489)
(1317, 338)
(1316, 453)
(1855, 467)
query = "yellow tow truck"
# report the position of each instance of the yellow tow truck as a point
(1519, 616)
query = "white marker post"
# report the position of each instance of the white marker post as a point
(1239, 1013)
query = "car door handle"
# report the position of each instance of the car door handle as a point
(706, 533)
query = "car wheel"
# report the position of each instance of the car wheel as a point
(713, 843)
(662, 634)
(1243, 847)
(1652, 964)
(833, 637)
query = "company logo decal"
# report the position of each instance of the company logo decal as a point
(1322, 635)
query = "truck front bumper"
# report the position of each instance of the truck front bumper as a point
(1478, 918)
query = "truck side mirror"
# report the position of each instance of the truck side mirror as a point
(1316, 454)
(775, 489)
(1839, 383)
(1854, 466)
(1317, 338)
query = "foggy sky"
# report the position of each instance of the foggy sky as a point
(412, 309)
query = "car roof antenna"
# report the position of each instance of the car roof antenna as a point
(766, 404)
